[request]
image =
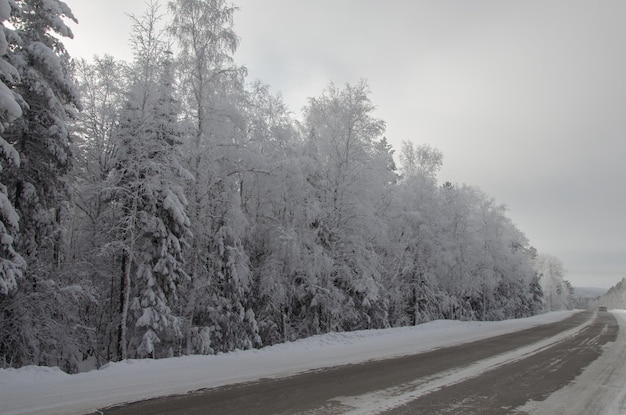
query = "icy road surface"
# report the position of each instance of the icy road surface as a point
(35, 390)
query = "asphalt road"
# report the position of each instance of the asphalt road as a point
(361, 388)
(503, 389)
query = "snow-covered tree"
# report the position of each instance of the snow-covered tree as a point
(271, 186)
(422, 160)
(41, 321)
(147, 185)
(218, 298)
(41, 136)
(103, 84)
(349, 181)
(299, 227)
(557, 291)
(536, 296)
(416, 237)
(11, 262)
(614, 298)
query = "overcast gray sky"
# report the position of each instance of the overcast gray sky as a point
(526, 99)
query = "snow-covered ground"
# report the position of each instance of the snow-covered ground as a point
(40, 390)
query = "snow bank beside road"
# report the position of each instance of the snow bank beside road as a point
(38, 390)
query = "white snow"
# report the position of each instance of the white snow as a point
(39, 390)
(10, 110)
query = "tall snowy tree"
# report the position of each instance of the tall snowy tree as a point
(557, 291)
(11, 262)
(41, 136)
(417, 236)
(218, 305)
(349, 179)
(41, 321)
(103, 84)
(270, 185)
(147, 185)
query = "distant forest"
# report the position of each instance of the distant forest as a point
(614, 298)
(170, 206)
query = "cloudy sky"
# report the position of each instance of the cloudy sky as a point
(526, 99)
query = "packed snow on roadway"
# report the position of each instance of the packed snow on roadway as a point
(39, 390)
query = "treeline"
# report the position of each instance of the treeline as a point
(614, 298)
(176, 209)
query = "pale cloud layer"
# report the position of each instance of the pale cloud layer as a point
(526, 99)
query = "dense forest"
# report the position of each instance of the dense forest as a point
(170, 206)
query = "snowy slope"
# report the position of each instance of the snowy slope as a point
(39, 390)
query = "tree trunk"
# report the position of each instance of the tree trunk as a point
(416, 310)
(124, 305)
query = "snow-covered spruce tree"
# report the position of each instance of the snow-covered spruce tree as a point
(11, 263)
(41, 136)
(217, 301)
(146, 185)
(41, 319)
(536, 302)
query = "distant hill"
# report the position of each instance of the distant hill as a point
(588, 292)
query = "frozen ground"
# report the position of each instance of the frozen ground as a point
(39, 390)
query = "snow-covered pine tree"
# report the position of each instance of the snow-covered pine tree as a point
(147, 186)
(535, 297)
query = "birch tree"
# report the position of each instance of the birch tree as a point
(556, 289)
(343, 138)
(217, 305)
